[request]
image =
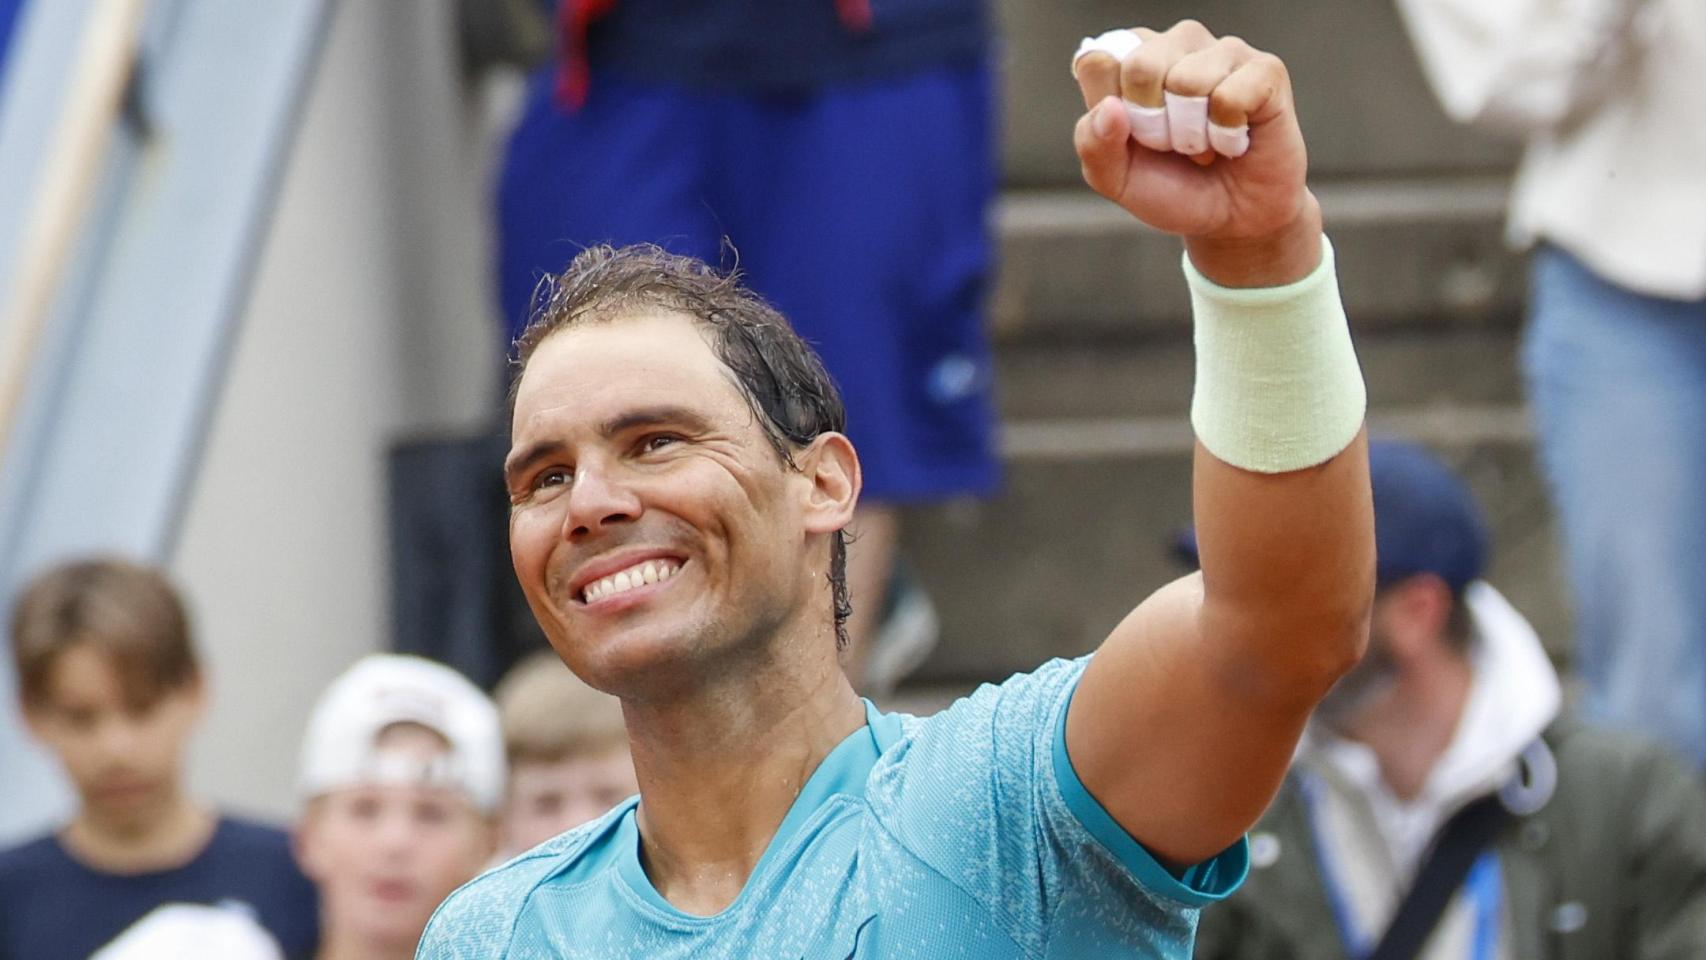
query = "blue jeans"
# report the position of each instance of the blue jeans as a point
(1617, 382)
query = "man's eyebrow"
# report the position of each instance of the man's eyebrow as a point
(667, 414)
(517, 463)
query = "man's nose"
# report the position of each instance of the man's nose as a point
(599, 497)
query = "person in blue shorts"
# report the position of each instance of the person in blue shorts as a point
(844, 151)
(680, 484)
(110, 683)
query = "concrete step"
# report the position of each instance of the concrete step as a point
(1072, 543)
(1410, 251)
(1097, 448)
(1360, 92)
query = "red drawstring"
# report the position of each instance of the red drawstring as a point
(574, 77)
(574, 17)
(855, 14)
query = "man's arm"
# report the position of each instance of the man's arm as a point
(1186, 718)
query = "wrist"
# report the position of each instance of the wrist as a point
(1278, 386)
(1274, 259)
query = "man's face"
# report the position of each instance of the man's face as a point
(654, 529)
(124, 758)
(547, 798)
(384, 856)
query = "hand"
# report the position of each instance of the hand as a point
(1249, 221)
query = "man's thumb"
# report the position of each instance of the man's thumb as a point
(1101, 139)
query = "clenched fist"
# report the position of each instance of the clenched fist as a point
(1245, 214)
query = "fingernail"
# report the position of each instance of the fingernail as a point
(1101, 121)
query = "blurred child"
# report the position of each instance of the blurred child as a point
(109, 681)
(403, 772)
(567, 749)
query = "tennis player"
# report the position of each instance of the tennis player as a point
(680, 482)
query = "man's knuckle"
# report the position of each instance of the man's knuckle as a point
(1141, 70)
(1190, 28)
(1236, 46)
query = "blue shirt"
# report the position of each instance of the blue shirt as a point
(966, 834)
(53, 907)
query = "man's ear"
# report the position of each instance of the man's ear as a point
(831, 466)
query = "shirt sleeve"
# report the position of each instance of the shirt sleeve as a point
(986, 795)
(1522, 66)
(478, 921)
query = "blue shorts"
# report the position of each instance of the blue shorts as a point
(859, 211)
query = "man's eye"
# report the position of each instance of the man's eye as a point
(551, 478)
(658, 441)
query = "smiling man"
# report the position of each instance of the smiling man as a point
(680, 484)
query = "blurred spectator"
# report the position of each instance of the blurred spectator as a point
(109, 681)
(402, 772)
(567, 749)
(1612, 198)
(845, 150)
(1445, 748)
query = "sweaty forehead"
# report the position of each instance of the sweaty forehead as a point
(642, 357)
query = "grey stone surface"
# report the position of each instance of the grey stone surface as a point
(1414, 368)
(1090, 318)
(1072, 264)
(1070, 546)
(1361, 95)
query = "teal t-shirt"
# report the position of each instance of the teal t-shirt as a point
(966, 834)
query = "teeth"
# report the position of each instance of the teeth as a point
(650, 571)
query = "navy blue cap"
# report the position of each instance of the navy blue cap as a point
(1425, 519)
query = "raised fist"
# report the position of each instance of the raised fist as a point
(1195, 135)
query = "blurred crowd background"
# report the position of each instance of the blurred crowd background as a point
(270, 355)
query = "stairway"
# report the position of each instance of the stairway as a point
(1090, 320)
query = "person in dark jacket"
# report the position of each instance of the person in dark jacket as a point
(1601, 854)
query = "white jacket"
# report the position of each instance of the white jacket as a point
(1375, 842)
(1610, 98)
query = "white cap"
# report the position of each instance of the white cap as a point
(339, 750)
(192, 931)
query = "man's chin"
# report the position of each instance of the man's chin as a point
(635, 663)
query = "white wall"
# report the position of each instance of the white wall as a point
(370, 319)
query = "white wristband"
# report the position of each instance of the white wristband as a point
(1278, 386)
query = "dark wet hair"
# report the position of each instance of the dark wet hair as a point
(785, 384)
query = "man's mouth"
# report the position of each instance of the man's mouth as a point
(622, 581)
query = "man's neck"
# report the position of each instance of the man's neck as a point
(1416, 724)
(169, 836)
(719, 771)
